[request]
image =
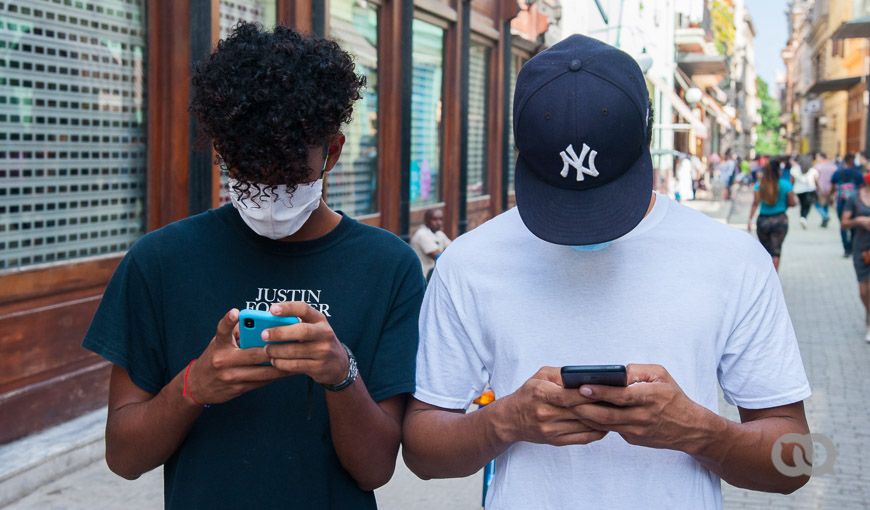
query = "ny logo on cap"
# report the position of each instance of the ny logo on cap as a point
(569, 159)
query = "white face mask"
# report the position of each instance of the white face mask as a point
(275, 214)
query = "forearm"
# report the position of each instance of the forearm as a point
(141, 436)
(365, 437)
(752, 211)
(443, 444)
(740, 453)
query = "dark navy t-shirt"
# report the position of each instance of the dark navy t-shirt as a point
(847, 181)
(269, 448)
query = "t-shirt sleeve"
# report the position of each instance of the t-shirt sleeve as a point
(393, 362)
(450, 367)
(761, 365)
(851, 206)
(126, 328)
(788, 187)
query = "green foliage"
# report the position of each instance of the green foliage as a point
(722, 26)
(769, 142)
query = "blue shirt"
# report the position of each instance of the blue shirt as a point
(847, 181)
(781, 204)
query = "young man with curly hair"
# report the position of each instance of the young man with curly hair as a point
(311, 420)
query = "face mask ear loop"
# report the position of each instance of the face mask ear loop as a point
(325, 161)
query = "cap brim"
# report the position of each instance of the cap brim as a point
(591, 216)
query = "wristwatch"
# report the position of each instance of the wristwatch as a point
(352, 373)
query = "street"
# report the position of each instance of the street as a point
(822, 296)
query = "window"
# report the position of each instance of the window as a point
(231, 12)
(837, 48)
(72, 129)
(478, 67)
(428, 70)
(352, 183)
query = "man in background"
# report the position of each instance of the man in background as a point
(844, 185)
(726, 173)
(430, 241)
(826, 168)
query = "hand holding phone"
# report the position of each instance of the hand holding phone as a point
(253, 322)
(574, 376)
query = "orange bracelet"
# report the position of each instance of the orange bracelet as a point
(185, 390)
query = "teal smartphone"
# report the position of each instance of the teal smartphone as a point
(253, 322)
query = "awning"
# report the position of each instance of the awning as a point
(699, 64)
(857, 28)
(682, 108)
(721, 117)
(834, 85)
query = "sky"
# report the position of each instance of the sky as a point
(771, 31)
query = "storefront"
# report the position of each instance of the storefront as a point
(97, 147)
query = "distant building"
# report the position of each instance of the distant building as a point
(823, 102)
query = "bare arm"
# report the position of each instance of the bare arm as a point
(366, 434)
(445, 443)
(657, 414)
(849, 221)
(756, 200)
(143, 430)
(740, 453)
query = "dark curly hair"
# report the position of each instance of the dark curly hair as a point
(265, 98)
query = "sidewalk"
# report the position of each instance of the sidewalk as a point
(822, 297)
(821, 293)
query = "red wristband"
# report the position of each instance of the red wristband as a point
(185, 391)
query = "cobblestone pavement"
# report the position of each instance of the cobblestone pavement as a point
(822, 297)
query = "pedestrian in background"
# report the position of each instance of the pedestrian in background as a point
(844, 185)
(856, 216)
(727, 169)
(685, 189)
(774, 194)
(825, 169)
(430, 241)
(805, 186)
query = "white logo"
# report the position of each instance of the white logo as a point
(569, 159)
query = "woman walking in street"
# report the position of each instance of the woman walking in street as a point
(856, 216)
(806, 182)
(774, 194)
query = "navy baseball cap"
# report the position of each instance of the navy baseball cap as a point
(584, 171)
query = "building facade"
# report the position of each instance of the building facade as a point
(97, 147)
(699, 60)
(823, 102)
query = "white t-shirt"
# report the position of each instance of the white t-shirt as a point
(680, 290)
(424, 242)
(805, 182)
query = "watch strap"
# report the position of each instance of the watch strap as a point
(352, 373)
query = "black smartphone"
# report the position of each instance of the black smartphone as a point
(578, 375)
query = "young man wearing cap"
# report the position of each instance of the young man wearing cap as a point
(593, 268)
